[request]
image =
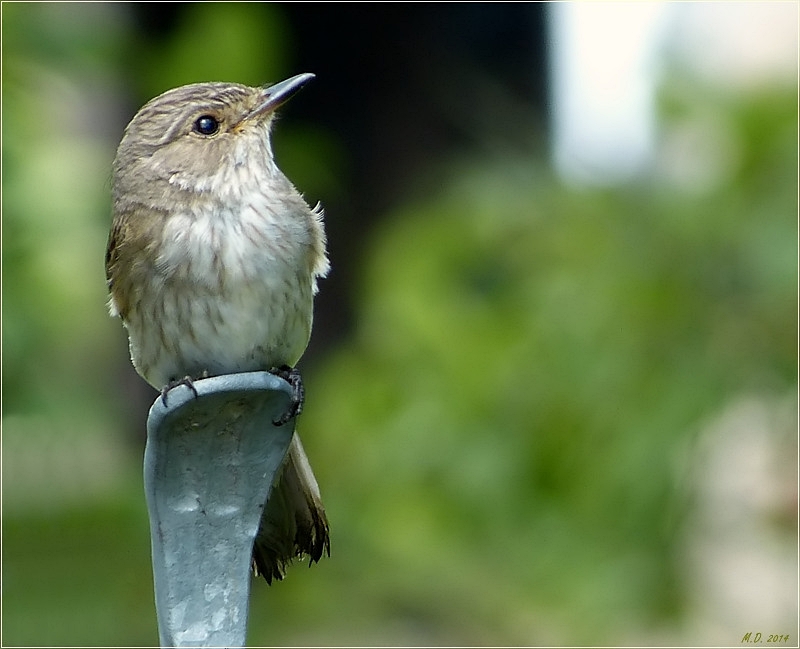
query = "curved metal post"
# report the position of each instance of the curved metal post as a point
(209, 465)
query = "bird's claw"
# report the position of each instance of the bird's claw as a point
(292, 376)
(186, 380)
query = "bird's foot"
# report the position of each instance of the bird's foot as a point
(186, 380)
(292, 376)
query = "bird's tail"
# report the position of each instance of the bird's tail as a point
(294, 522)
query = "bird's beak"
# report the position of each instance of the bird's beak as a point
(276, 95)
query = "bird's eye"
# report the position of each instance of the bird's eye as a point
(206, 125)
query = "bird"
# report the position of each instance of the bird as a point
(212, 264)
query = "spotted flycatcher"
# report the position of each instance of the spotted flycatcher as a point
(212, 264)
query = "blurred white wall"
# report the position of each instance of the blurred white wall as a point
(606, 62)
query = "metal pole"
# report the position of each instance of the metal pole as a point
(209, 465)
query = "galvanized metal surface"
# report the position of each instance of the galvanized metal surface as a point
(209, 464)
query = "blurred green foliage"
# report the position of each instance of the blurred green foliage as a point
(502, 443)
(531, 366)
(243, 41)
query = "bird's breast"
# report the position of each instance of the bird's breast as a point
(231, 293)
